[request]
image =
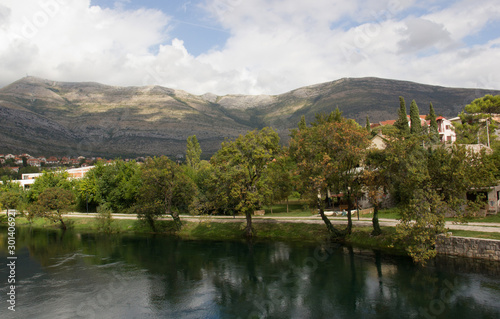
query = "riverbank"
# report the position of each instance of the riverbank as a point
(227, 228)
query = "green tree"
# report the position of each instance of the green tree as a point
(280, 179)
(207, 199)
(328, 157)
(322, 118)
(416, 126)
(53, 202)
(11, 195)
(104, 218)
(193, 152)
(165, 189)
(302, 123)
(368, 125)
(376, 183)
(488, 104)
(240, 166)
(402, 122)
(422, 216)
(49, 179)
(116, 184)
(477, 125)
(456, 170)
(433, 127)
(430, 184)
(7, 174)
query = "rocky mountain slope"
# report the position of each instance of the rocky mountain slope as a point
(45, 117)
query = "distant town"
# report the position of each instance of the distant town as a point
(13, 166)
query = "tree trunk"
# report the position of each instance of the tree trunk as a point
(272, 201)
(177, 220)
(248, 229)
(376, 226)
(287, 205)
(175, 215)
(151, 223)
(333, 231)
(349, 216)
(63, 225)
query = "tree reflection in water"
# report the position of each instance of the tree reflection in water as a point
(166, 277)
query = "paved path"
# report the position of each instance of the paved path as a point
(473, 226)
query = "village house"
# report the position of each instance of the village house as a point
(379, 141)
(445, 128)
(446, 132)
(65, 161)
(34, 162)
(52, 160)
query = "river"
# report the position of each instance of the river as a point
(77, 275)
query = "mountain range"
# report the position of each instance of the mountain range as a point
(44, 117)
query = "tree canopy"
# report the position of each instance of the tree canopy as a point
(240, 166)
(165, 189)
(487, 104)
(328, 157)
(193, 152)
(402, 122)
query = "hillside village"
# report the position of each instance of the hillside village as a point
(16, 162)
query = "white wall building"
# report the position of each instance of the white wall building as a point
(446, 132)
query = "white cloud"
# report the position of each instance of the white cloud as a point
(421, 34)
(274, 45)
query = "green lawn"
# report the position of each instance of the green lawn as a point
(475, 234)
(296, 208)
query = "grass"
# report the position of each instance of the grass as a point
(299, 208)
(209, 230)
(475, 234)
(361, 237)
(296, 208)
(487, 219)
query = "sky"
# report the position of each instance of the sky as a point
(250, 46)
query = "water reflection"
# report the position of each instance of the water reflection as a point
(71, 275)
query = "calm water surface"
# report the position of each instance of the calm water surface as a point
(75, 275)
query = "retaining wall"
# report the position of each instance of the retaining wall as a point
(468, 247)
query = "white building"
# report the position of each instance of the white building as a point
(446, 132)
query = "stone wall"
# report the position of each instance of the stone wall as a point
(468, 247)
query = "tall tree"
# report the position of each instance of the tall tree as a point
(433, 127)
(368, 125)
(402, 122)
(193, 152)
(430, 184)
(116, 184)
(376, 183)
(280, 179)
(240, 167)
(416, 126)
(53, 202)
(328, 157)
(302, 123)
(422, 216)
(165, 189)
